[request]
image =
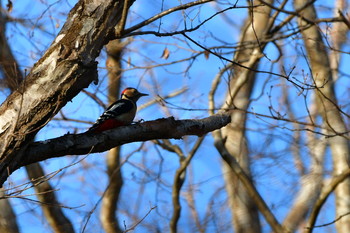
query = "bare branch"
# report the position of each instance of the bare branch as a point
(66, 68)
(78, 144)
(327, 190)
(162, 14)
(8, 218)
(327, 106)
(249, 186)
(179, 180)
(45, 194)
(136, 224)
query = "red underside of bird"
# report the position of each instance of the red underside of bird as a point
(108, 124)
(120, 113)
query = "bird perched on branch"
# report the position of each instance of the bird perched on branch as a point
(120, 113)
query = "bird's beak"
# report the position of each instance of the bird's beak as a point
(142, 94)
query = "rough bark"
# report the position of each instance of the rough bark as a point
(327, 106)
(10, 80)
(66, 68)
(51, 208)
(244, 210)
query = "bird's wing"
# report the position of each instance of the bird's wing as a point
(114, 110)
(117, 108)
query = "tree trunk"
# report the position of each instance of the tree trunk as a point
(328, 108)
(244, 211)
(66, 68)
(44, 191)
(109, 206)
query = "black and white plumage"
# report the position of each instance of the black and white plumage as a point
(120, 113)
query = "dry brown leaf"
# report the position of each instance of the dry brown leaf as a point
(206, 54)
(165, 54)
(9, 6)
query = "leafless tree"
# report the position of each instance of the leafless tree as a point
(273, 151)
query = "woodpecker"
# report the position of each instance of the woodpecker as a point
(120, 113)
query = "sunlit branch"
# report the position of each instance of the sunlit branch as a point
(249, 186)
(140, 221)
(327, 190)
(179, 178)
(214, 86)
(121, 25)
(160, 99)
(164, 13)
(287, 77)
(78, 144)
(184, 30)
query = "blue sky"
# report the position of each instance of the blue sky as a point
(81, 185)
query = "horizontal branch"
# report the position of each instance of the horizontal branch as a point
(162, 14)
(84, 143)
(68, 66)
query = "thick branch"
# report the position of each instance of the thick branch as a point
(78, 144)
(66, 68)
(327, 105)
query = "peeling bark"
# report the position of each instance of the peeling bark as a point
(44, 191)
(66, 68)
(11, 79)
